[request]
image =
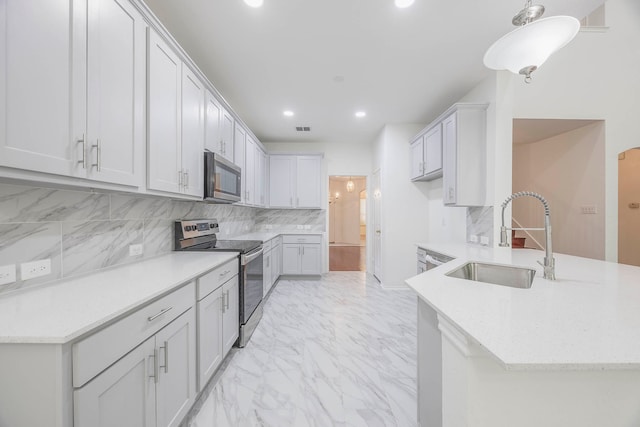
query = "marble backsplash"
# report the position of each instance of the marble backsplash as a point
(480, 223)
(81, 232)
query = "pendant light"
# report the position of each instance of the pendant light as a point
(350, 186)
(525, 49)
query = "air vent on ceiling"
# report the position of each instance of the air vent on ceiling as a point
(303, 129)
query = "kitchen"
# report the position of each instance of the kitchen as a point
(93, 229)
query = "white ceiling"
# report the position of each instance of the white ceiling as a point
(398, 65)
(526, 131)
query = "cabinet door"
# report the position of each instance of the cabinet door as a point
(231, 314)
(227, 128)
(249, 172)
(449, 148)
(42, 78)
(262, 179)
(310, 259)
(308, 182)
(267, 261)
(240, 158)
(176, 387)
(291, 254)
(276, 263)
(417, 158)
(164, 156)
(116, 80)
(213, 111)
(282, 175)
(209, 336)
(433, 152)
(192, 133)
(124, 395)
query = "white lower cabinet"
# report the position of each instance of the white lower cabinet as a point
(301, 254)
(153, 385)
(267, 267)
(276, 259)
(218, 318)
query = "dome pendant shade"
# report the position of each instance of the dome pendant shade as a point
(526, 48)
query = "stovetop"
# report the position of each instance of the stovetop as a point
(242, 246)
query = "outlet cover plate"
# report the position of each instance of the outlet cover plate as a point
(7, 274)
(135, 250)
(33, 269)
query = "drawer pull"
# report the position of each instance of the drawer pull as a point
(225, 273)
(155, 316)
(166, 357)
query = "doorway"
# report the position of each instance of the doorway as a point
(347, 223)
(629, 207)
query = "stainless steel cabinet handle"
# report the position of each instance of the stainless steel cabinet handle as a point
(97, 146)
(303, 250)
(84, 151)
(224, 273)
(166, 357)
(155, 316)
(155, 366)
(186, 185)
(222, 302)
(226, 305)
(180, 178)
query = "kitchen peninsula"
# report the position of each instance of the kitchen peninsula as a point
(562, 353)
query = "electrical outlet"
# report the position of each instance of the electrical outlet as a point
(135, 250)
(299, 226)
(307, 227)
(268, 227)
(589, 210)
(33, 269)
(484, 240)
(473, 238)
(7, 274)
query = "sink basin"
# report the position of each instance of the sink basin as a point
(516, 277)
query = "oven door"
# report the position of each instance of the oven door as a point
(222, 179)
(252, 283)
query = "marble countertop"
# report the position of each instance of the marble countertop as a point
(267, 235)
(63, 311)
(589, 318)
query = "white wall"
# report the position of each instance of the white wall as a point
(594, 77)
(404, 204)
(568, 169)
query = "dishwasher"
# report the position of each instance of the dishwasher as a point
(428, 259)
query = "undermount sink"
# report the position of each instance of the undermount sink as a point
(516, 277)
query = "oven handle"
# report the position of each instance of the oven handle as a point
(247, 258)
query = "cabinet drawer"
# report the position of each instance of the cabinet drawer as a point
(95, 353)
(267, 245)
(215, 278)
(302, 238)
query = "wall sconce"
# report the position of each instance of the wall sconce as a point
(350, 185)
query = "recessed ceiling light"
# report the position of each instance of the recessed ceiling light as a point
(360, 114)
(254, 3)
(288, 113)
(401, 3)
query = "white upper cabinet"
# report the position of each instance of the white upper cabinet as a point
(249, 172)
(426, 154)
(295, 181)
(464, 155)
(165, 98)
(192, 133)
(176, 123)
(219, 128)
(116, 80)
(31, 43)
(239, 157)
(89, 107)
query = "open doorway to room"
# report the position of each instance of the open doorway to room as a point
(564, 161)
(629, 207)
(347, 223)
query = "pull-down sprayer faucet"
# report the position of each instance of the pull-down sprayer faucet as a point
(549, 262)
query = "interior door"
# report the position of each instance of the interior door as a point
(377, 232)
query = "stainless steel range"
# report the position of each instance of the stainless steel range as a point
(200, 235)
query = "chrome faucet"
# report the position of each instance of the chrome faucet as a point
(549, 263)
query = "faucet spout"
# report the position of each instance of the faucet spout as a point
(549, 261)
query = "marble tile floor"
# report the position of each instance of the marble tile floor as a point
(339, 351)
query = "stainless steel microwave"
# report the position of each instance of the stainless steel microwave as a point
(221, 179)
